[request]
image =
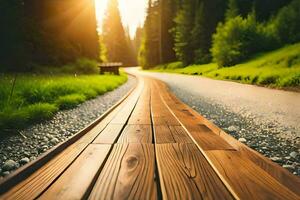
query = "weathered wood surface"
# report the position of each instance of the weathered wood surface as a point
(78, 178)
(186, 174)
(153, 146)
(127, 174)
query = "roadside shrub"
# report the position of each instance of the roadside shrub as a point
(268, 79)
(70, 101)
(238, 39)
(40, 111)
(175, 65)
(287, 23)
(81, 66)
(290, 81)
(10, 118)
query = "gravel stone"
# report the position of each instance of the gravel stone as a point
(40, 138)
(24, 161)
(54, 141)
(6, 173)
(9, 165)
(276, 159)
(294, 154)
(289, 167)
(232, 128)
(242, 140)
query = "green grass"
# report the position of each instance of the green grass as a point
(280, 69)
(39, 97)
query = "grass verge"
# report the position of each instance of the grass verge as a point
(39, 97)
(279, 69)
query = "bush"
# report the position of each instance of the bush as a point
(290, 81)
(174, 65)
(287, 23)
(70, 101)
(238, 39)
(10, 118)
(82, 66)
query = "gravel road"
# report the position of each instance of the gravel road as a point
(20, 149)
(265, 119)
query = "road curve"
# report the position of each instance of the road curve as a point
(268, 119)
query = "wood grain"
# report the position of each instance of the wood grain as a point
(162, 134)
(276, 171)
(35, 184)
(136, 134)
(109, 135)
(206, 139)
(185, 174)
(127, 174)
(246, 179)
(77, 179)
(141, 113)
(180, 135)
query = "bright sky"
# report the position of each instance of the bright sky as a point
(133, 13)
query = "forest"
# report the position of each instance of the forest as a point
(43, 35)
(249, 41)
(186, 36)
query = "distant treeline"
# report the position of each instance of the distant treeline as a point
(223, 31)
(46, 32)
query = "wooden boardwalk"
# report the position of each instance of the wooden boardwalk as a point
(152, 146)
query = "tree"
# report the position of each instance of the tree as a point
(12, 51)
(182, 33)
(168, 10)
(232, 10)
(149, 54)
(114, 35)
(137, 41)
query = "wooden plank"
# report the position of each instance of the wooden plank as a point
(75, 182)
(125, 112)
(206, 139)
(162, 134)
(191, 176)
(141, 113)
(279, 173)
(246, 179)
(180, 135)
(109, 135)
(35, 184)
(136, 134)
(127, 174)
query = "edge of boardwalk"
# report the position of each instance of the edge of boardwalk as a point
(25, 171)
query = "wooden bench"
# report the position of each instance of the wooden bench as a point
(153, 146)
(110, 68)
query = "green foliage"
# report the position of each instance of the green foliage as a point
(11, 118)
(149, 54)
(183, 45)
(70, 101)
(81, 66)
(38, 97)
(28, 37)
(287, 23)
(280, 68)
(238, 39)
(114, 36)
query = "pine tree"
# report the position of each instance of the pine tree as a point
(149, 54)
(232, 10)
(168, 10)
(114, 35)
(184, 25)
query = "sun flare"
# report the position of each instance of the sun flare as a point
(133, 13)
